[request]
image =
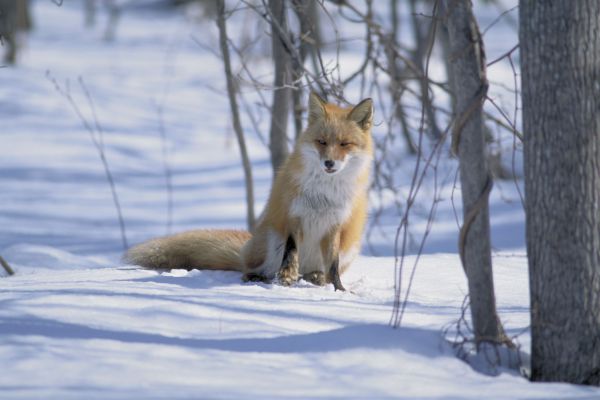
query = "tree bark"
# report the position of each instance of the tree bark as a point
(90, 13)
(8, 30)
(283, 81)
(560, 64)
(420, 28)
(24, 21)
(396, 87)
(114, 10)
(237, 126)
(470, 85)
(309, 40)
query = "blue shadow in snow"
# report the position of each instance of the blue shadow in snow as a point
(370, 336)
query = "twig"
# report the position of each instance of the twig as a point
(400, 306)
(166, 166)
(514, 123)
(97, 135)
(498, 18)
(505, 55)
(170, 56)
(7, 267)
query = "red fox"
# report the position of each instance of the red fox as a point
(314, 218)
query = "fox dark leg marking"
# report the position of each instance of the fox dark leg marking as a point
(334, 275)
(288, 273)
(255, 277)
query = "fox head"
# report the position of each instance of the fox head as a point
(337, 137)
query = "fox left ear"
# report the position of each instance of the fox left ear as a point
(362, 114)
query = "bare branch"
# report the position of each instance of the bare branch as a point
(7, 267)
(237, 127)
(97, 135)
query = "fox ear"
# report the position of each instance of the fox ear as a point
(316, 108)
(362, 114)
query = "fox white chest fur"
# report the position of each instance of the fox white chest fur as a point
(325, 201)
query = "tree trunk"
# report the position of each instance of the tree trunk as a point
(24, 21)
(114, 10)
(395, 73)
(237, 126)
(8, 29)
(468, 70)
(560, 63)
(309, 44)
(283, 81)
(90, 13)
(421, 26)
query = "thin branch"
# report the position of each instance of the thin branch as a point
(166, 166)
(498, 18)
(96, 134)
(505, 55)
(7, 267)
(400, 306)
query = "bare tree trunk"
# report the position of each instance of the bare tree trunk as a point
(90, 13)
(444, 43)
(114, 13)
(309, 43)
(283, 81)
(8, 29)
(237, 126)
(396, 88)
(494, 153)
(560, 60)
(468, 70)
(24, 21)
(419, 54)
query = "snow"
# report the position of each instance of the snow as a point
(75, 322)
(124, 332)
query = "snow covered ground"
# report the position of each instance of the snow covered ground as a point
(122, 332)
(75, 323)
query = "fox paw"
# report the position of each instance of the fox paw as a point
(287, 280)
(287, 277)
(288, 274)
(316, 278)
(254, 277)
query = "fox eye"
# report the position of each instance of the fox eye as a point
(322, 142)
(344, 144)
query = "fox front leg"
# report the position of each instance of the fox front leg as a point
(318, 277)
(330, 253)
(288, 273)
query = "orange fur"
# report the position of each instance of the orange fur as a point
(319, 198)
(199, 249)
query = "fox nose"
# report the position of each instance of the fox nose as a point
(329, 164)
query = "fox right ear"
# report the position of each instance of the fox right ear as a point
(362, 114)
(316, 108)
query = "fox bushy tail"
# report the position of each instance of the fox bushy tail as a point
(199, 249)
